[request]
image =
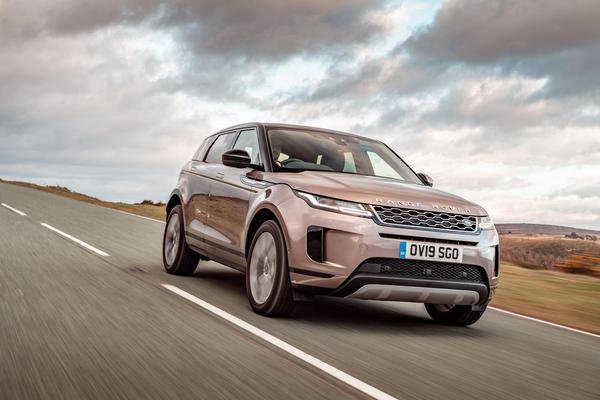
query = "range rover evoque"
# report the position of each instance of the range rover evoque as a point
(306, 211)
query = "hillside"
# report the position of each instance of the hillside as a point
(541, 229)
(146, 208)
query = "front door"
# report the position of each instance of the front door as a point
(229, 201)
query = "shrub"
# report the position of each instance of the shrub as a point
(552, 253)
(151, 203)
(581, 263)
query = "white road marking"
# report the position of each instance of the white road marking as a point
(545, 322)
(21, 213)
(315, 362)
(79, 242)
(136, 215)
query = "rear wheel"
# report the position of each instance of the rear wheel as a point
(178, 258)
(451, 314)
(267, 276)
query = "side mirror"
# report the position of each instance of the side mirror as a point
(426, 179)
(237, 159)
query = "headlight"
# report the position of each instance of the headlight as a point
(486, 222)
(329, 204)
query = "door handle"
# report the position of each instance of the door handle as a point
(220, 175)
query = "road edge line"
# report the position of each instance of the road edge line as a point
(545, 322)
(135, 215)
(294, 351)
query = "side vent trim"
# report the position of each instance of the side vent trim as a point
(315, 243)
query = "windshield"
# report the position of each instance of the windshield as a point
(300, 150)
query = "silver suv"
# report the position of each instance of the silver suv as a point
(304, 210)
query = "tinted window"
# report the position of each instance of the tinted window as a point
(324, 151)
(220, 146)
(201, 150)
(248, 141)
(349, 164)
(382, 168)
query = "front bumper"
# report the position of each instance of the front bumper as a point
(348, 241)
(375, 287)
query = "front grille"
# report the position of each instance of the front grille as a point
(427, 219)
(427, 239)
(434, 270)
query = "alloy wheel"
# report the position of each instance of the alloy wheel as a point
(263, 268)
(172, 238)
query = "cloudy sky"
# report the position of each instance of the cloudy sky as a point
(499, 101)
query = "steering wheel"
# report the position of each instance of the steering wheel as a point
(290, 160)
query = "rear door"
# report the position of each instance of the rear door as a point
(229, 201)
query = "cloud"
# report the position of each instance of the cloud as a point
(262, 29)
(552, 42)
(75, 106)
(570, 73)
(487, 31)
(555, 39)
(498, 101)
(383, 76)
(584, 192)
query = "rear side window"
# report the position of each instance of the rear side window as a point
(220, 146)
(248, 141)
(201, 150)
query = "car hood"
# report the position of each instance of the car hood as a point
(375, 190)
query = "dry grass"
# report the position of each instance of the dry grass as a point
(145, 210)
(568, 299)
(581, 262)
(551, 253)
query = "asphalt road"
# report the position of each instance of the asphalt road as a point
(78, 325)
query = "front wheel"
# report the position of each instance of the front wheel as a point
(450, 314)
(178, 258)
(267, 276)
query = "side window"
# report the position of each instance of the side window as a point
(220, 146)
(248, 140)
(382, 168)
(349, 164)
(201, 150)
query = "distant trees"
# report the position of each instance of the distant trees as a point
(151, 203)
(574, 235)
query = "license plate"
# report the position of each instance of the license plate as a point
(431, 252)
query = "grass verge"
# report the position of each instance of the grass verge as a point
(145, 210)
(566, 299)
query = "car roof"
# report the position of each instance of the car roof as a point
(274, 125)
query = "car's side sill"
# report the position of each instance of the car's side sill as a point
(216, 251)
(214, 244)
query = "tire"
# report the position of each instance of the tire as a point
(178, 258)
(268, 283)
(457, 315)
